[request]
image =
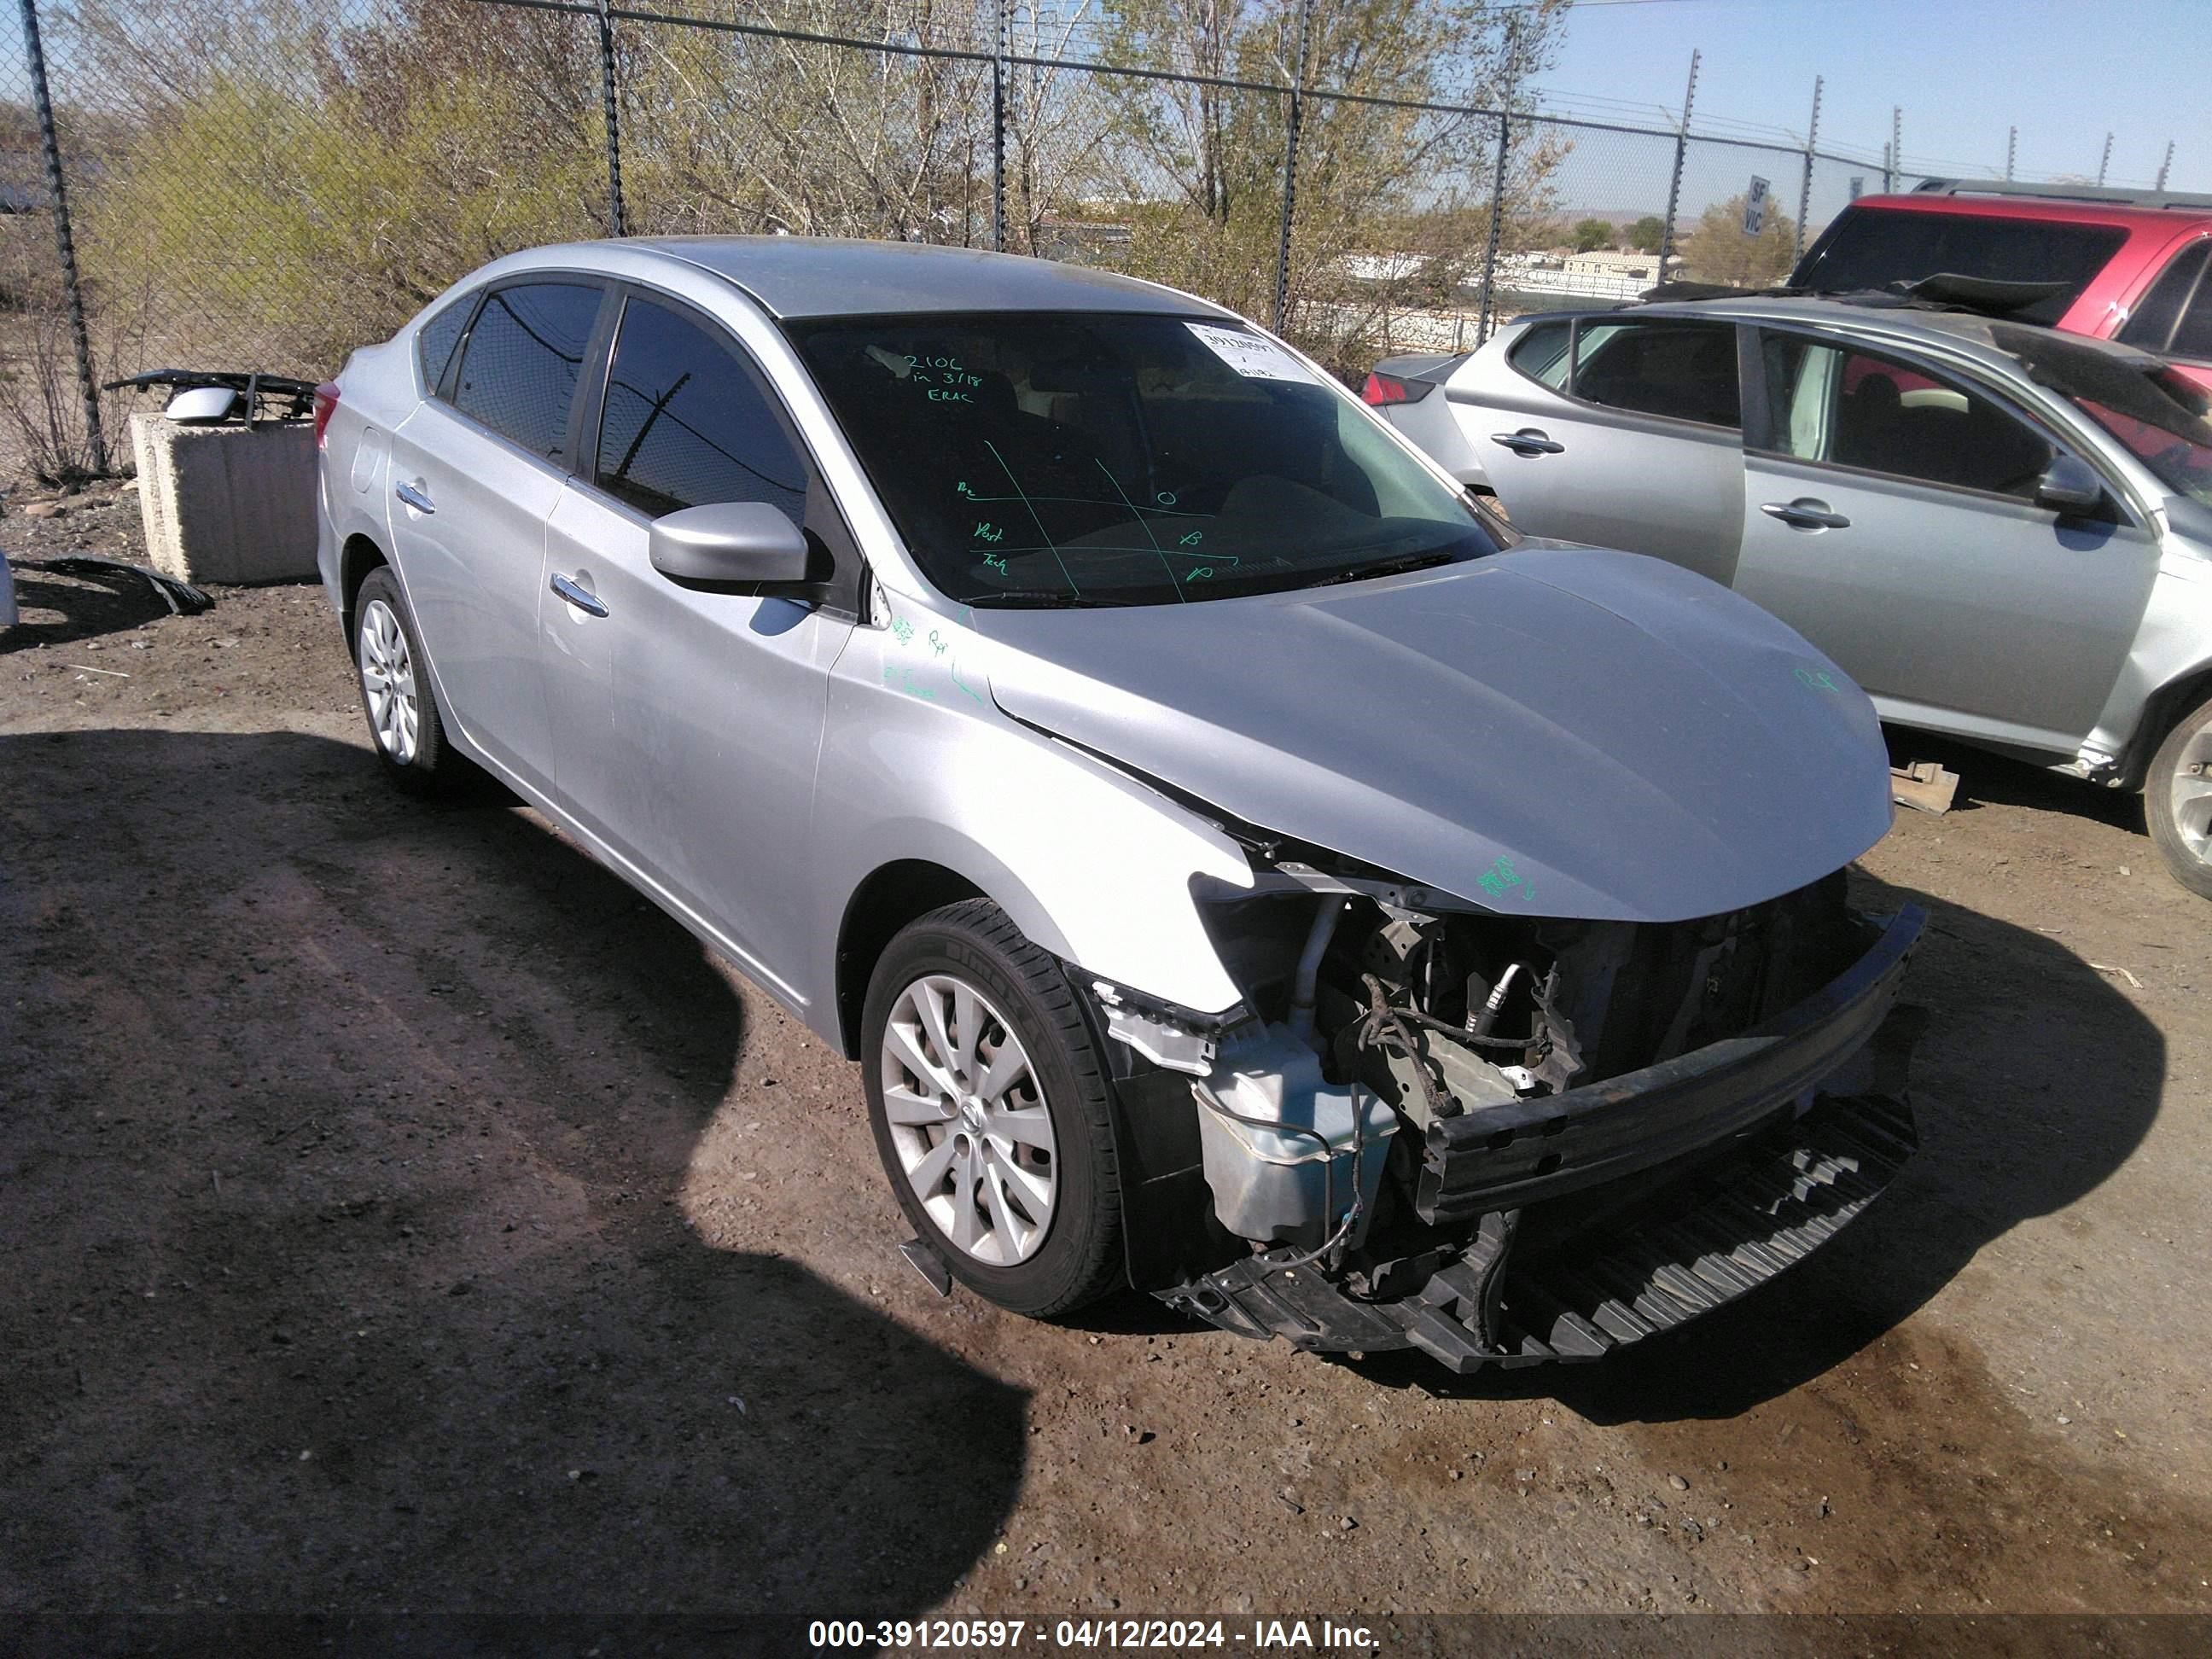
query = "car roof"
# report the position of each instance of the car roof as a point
(802, 276)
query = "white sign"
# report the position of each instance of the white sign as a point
(1251, 355)
(1754, 207)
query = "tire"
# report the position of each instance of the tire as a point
(2178, 802)
(1035, 1228)
(391, 673)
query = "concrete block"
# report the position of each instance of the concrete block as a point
(225, 503)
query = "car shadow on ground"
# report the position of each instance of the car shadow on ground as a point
(345, 1140)
(1997, 780)
(2032, 1082)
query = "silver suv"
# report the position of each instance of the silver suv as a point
(1237, 873)
(2003, 533)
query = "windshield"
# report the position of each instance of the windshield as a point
(1080, 459)
(2167, 433)
(1874, 247)
(2155, 410)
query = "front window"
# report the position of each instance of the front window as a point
(2164, 426)
(1083, 459)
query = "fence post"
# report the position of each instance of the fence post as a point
(1497, 220)
(95, 439)
(1805, 190)
(609, 104)
(998, 128)
(1675, 189)
(1290, 165)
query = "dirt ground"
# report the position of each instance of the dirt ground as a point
(399, 1214)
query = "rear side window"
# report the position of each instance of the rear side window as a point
(1874, 248)
(520, 367)
(1684, 370)
(2176, 315)
(436, 340)
(685, 423)
(1851, 409)
(1540, 353)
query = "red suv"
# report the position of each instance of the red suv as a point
(2118, 264)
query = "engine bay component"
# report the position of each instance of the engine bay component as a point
(1505, 1138)
(1289, 1155)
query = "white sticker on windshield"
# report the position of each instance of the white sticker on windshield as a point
(1252, 356)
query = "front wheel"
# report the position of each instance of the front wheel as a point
(2178, 800)
(989, 1101)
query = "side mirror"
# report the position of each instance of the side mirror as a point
(2070, 487)
(729, 542)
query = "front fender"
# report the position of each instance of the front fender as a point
(918, 763)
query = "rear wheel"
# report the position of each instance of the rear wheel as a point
(394, 679)
(988, 1099)
(2178, 800)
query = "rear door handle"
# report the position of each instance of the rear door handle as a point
(1805, 513)
(1527, 442)
(579, 596)
(414, 497)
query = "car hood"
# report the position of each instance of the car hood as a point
(1561, 730)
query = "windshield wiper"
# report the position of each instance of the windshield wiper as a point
(1388, 567)
(1038, 598)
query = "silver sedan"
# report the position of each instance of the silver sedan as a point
(1245, 868)
(2002, 533)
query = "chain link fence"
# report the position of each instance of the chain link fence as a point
(265, 184)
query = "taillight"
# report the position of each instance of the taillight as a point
(1382, 389)
(327, 403)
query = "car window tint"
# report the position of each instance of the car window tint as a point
(2192, 334)
(1873, 247)
(518, 368)
(436, 340)
(2151, 323)
(1852, 409)
(1683, 370)
(1542, 353)
(686, 424)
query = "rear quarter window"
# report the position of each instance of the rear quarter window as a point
(1540, 353)
(436, 340)
(1874, 247)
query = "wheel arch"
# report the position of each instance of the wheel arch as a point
(889, 897)
(2162, 711)
(359, 556)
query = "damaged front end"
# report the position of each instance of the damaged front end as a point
(1503, 1138)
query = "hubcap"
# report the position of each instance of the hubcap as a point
(2191, 798)
(968, 1120)
(387, 681)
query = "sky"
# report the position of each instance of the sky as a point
(2064, 71)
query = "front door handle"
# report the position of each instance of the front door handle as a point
(415, 496)
(1529, 440)
(579, 596)
(1805, 513)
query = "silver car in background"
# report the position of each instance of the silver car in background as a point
(1242, 867)
(2003, 533)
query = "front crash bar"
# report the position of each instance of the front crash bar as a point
(1523, 1151)
(1763, 1187)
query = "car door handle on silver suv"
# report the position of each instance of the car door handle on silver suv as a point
(578, 595)
(415, 496)
(1527, 442)
(1805, 513)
